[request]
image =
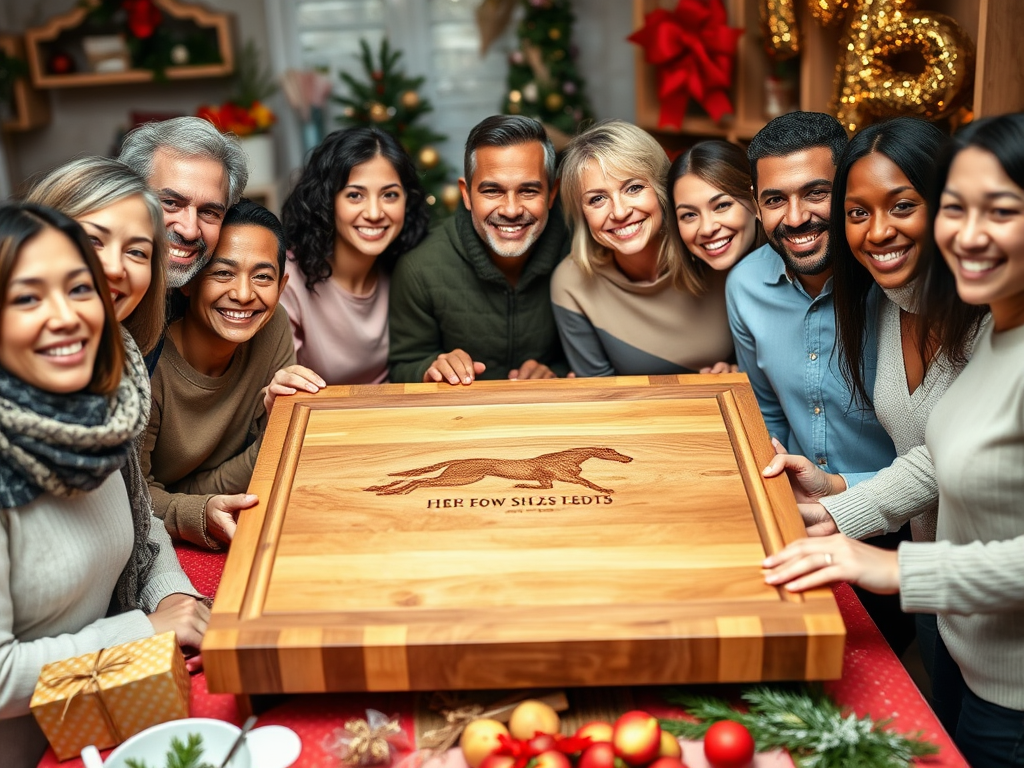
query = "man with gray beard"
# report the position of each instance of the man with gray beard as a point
(197, 173)
(473, 300)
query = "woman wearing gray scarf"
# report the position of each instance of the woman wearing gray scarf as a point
(84, 571)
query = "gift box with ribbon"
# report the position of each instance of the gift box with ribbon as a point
(102, 698)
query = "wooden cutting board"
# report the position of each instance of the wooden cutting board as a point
(515, 534)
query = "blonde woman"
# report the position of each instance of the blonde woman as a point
(125, 224)
(622, 300)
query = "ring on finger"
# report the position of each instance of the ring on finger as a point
(828, 559)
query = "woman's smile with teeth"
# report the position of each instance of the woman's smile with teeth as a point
(629, 229)
(888, 255)
(65, 350)
(978, 265)
(237, 314)
(715, 245)
(371, 231)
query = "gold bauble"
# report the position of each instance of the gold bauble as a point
(870, 88)
(410, 99)
(514, 108)
(378, 112)
(451, 196)
(515, 96)
(429, 157)
(555, 33)
(554, 101)
(779, 28)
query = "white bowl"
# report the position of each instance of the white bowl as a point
(275, 745)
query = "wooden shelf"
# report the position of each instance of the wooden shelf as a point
(40, 39)
(31, 108)
(996, 26)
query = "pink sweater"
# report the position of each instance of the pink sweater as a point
(342, 337)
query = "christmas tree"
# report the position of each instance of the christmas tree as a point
(390, 100)
(543, 81)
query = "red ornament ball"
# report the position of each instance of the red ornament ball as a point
(727, 744)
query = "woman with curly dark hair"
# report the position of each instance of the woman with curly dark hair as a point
(357, 207)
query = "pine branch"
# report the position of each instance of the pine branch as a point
(808, 724)
(180, 755)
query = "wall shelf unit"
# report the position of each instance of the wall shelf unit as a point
(31, 109)
(65, 34)
(996, 27)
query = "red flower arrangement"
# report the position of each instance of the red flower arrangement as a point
(239, 120)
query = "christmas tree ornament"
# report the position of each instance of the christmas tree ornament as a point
(554, 101)
(530, 92)
(429, 157)
(378, 112)
(410, 99)
(516, 58)
(515, 96)
(179, 54)
(451, 197)
(555, 33)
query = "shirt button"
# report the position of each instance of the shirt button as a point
(817, 410)
(814, 355)
(814, 308)
(822, 460)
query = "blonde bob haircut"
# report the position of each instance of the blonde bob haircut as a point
(90, 184)
(622, 151)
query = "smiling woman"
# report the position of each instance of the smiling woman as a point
(208, 414)
(622, 301)
(72, 401)
(356, 209)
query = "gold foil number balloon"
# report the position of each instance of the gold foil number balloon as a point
(881, 33)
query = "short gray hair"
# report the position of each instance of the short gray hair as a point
(508, 131)
(187, 137)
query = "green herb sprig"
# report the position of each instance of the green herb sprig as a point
(180, 755)
(808, 724)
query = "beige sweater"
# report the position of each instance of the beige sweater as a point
(973, 574)
(204, 431)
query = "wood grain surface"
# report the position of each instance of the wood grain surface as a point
(515, 534)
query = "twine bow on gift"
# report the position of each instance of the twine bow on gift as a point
(89, 681)
(370, 741)
(694, 51)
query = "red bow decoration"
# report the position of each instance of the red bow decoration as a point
(694, 52)
(524, 750)
(143, 17)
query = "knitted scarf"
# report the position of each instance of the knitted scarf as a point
(67, 444)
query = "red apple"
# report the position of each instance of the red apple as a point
(669, 746)
(599, 732)
(600, 755)
(552, 759)
(728, 744)
(636, 737)
(667, 762)
(498, 761)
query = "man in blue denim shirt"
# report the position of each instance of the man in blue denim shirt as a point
(780, 304)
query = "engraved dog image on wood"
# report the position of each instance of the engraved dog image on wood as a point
(544, 470)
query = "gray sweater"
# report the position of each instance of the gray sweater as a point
(906, 489)
(973, 574)
(61, 558)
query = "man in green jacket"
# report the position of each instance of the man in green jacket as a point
(473, 300)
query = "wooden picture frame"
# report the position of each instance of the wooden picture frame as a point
(515, 534)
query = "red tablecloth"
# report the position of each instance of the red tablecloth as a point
(874, 683)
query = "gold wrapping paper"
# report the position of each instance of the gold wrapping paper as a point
(103, 698)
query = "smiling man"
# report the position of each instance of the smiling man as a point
(779, 301)
(197, 173)
(473, 300)
(208, 417)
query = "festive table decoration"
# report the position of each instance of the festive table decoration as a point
(459, 713)
(808, 724)
(245, 112)
(694, 51)
(373, 741)
(104, 697)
